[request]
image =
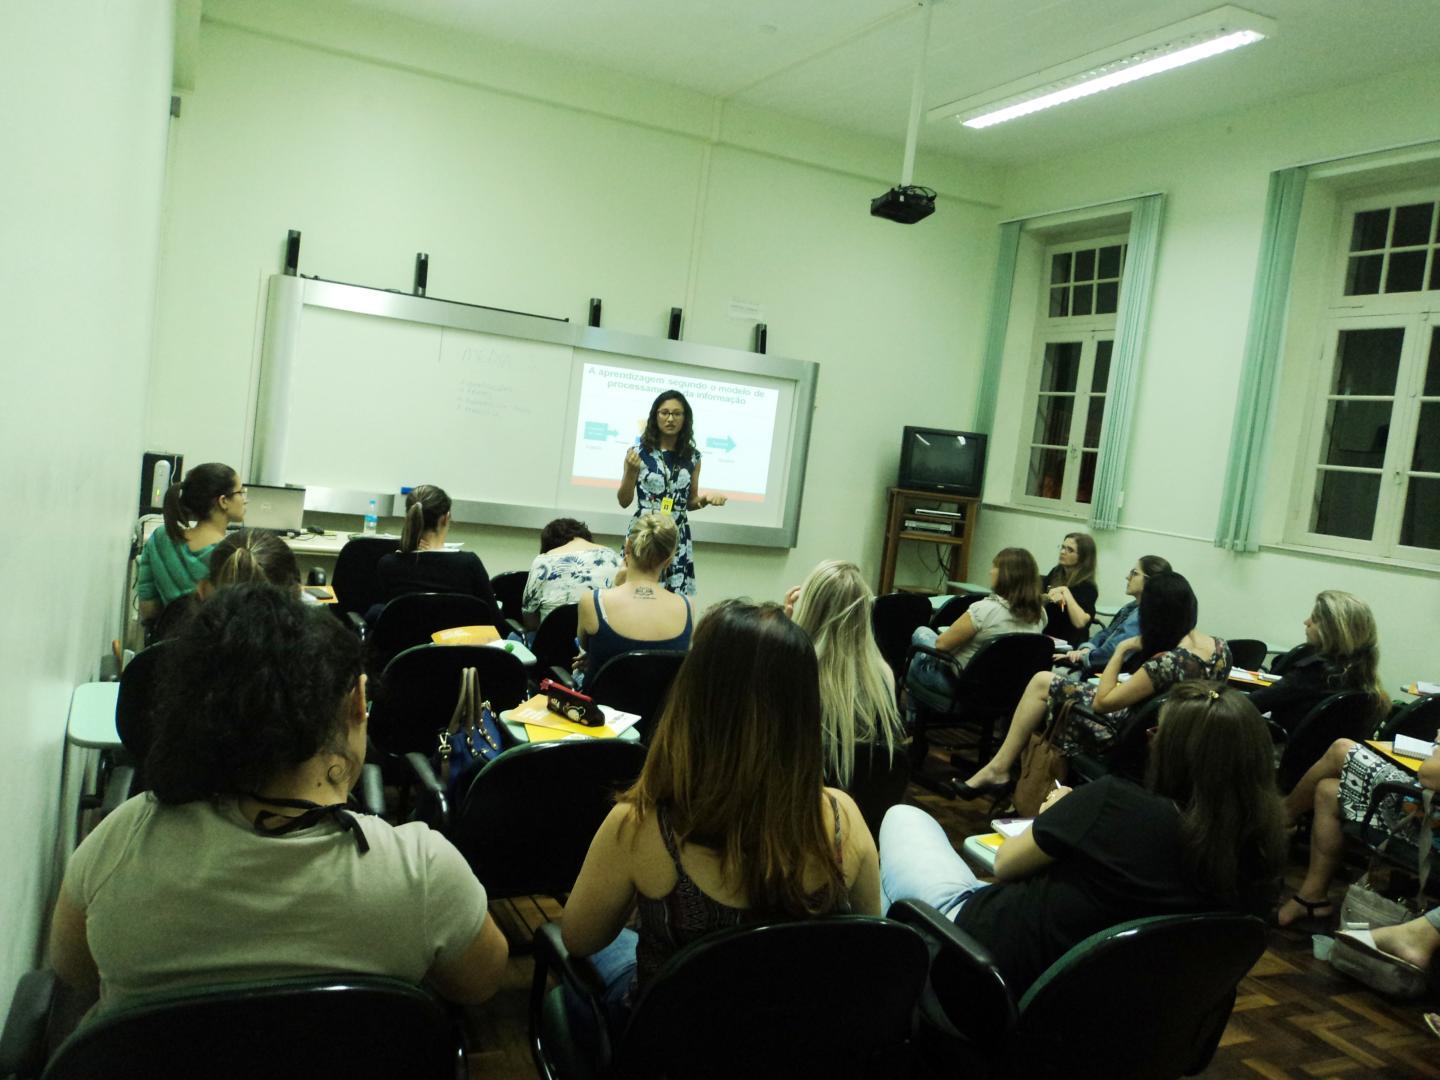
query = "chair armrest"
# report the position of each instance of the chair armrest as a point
(948, 659)
(1380, 792)
(963, 977)
(578, 974)
(353, 621)
(515, 626)
(372, 789)
(563, 677)
(433, 791)
(22, 1045)
(117, 790)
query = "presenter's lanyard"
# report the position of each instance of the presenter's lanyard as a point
(667, 504)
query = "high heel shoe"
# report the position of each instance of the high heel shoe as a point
(994, 790)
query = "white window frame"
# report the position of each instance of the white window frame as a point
(1418, 314)
(1087, 330)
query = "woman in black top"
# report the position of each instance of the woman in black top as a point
(1070, 590)
(423, 564)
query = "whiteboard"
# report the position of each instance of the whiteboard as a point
(364, 392)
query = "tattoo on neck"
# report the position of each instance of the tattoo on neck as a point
(645, 592)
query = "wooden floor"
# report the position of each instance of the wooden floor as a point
(1294, 1017)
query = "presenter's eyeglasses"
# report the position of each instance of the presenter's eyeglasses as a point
(238, 493)
(671, 414)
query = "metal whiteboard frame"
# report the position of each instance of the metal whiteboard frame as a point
(287, 297)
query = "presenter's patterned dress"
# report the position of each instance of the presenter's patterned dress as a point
(664, 473)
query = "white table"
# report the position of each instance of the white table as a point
(89, 729)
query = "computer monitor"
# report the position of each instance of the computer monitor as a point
(276, 508)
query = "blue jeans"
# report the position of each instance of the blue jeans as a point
(615, 964)
(918, 863)
(926, 671)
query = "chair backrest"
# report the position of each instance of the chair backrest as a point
(356, 579)
(528, 817)
(1247, 653)
(362, 1026)
(878, 782)
(995, 678)
(893, 619)
(1287, 659)
(1146, 999)
(953, 608)
(637, 682)
(1128, 753)
(135, 703)
(418, 690)
(823, 997)
(1420, 720)
(509, 589)
(1347, 715)
(410, 620)
(554, 644)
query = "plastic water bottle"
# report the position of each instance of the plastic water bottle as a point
(372, 520)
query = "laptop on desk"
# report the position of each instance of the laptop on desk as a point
(279, 509)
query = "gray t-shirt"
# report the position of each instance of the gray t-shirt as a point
(190, 895)
(993, 617)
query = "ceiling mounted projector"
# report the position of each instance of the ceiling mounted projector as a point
(908, 203)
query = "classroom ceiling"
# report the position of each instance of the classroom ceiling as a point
(849, 63)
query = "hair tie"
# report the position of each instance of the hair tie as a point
(1214, 695)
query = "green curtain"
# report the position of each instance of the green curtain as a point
(999, 323)
(1260, 363)
(1130, 322)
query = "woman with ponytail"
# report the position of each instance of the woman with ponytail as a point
(198, 511)
(423, 563)
(251, 556)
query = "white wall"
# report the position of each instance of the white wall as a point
(84, 94)
(534, 185)
(1215, 175)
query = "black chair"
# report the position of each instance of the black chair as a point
(1347, 715)
(1419, 720)
(878, 782)
(554, 644)
(410, 620)
(509, 587)
(893, 619)
(1401, 849)
(832, 997)
(1127, 754)
(1146, 1000)
(362, 1026)
(528, 817)
(952, 609)
(1248, 653)
(983, 693)
(419, 688)
(1286, 660)
(637, 682)
(122, 772)
(356, 580)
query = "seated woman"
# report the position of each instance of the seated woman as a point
(639, 613)
(1070, 590)
(1176, 652)
(1346, 656)
(1093, 655)
(569, 565)
(198, 512)
(1203, 834)
(1013, 608)
(728, 822)
(423, 563)
(245, 858)
(1338, 788)
(857, 690)
(252, 556)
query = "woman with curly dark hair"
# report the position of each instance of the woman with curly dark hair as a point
(246, 859)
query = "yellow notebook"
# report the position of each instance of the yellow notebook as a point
(537, 718)
(466, 635)
(992, 840)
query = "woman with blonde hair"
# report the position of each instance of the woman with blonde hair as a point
(638, 613)
(729, 821)
(857, 690)
(424, 563)
(1070, 590)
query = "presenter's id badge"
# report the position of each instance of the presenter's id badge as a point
(667, 505)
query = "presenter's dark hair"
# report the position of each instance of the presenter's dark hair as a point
(685, 440)
(252, 687)
(1168, 611)
(253, 555)
(424, 507)
(194, 497)
(561, 531)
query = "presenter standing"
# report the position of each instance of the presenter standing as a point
(663, 469)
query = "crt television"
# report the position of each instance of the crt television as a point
(952, 462)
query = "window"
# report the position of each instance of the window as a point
(1074, 339)
(1371, 481)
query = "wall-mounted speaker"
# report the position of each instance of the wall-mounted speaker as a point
(674, 332)
(292, 252)
(422, 272)
(158, 470)
(594, 311)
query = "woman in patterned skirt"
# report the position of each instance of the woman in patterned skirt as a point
(663, 469)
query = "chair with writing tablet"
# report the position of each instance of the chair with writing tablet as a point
(509, 586)
(554, 644)
(1346, 715)
(357, 575)
(1419, 720)
(878, 781)
(412, 619)
(637, 682)
(952, 609)
(893, 619)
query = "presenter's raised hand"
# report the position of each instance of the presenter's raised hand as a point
(632, 461)
(713, 500)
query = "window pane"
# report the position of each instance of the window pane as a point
(1412, 224)
(1052, 419)
(1107, 297)
(1421, 525)
(1096, 417)
(1369, 230)
(1060, 268)
(1100, 379)
(1062, 367)
(1407, 271)
(1081, 301)
(1432, 370)
(1047, 473)
(1435, 272)
(1427, 440)
(1362, 275)
(1059, 301)
(1345, 504)
(1085, 265)
(1110, 261)
(1355, 434)
(1086, 486)
(1367, 360)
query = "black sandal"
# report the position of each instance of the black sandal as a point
(1311, 907)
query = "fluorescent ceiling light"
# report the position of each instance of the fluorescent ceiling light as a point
(1165, 49)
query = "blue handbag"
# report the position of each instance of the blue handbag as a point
(470, 741)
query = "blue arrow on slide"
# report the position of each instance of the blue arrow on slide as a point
(726, 444)
(598, 431)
